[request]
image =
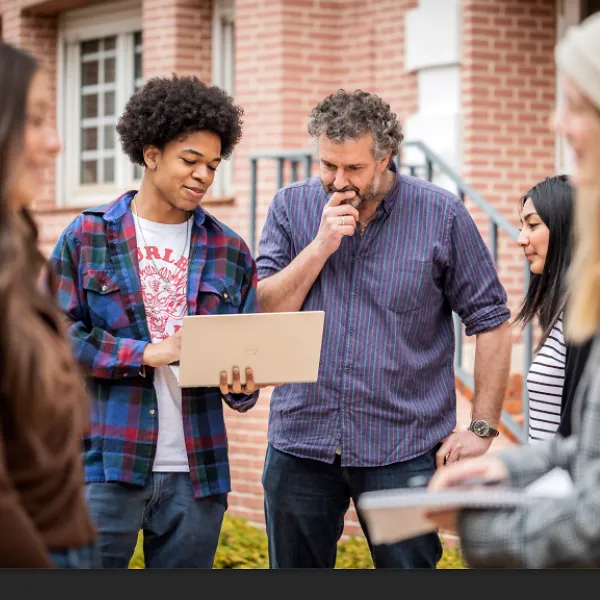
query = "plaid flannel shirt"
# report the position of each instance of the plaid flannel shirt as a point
(95, 261)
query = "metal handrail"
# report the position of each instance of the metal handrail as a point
(431, 158)
(432, 163)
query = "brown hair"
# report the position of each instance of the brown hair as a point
(38, 376)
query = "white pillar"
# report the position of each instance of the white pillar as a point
(433, 51)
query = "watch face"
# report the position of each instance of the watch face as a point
(481, 428)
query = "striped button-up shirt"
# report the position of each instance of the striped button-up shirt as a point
(386, 388)
(99, 288)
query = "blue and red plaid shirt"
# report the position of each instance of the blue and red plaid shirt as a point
(99, 288)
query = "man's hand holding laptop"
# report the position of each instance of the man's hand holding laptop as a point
(163, 353)
(168, 352)
(237, 387)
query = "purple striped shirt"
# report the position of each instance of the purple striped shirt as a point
(386, 389)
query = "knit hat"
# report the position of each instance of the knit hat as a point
(578, 57)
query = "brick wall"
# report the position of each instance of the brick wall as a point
(508, 93)
(289, 55)
(507, 98)
(177, 38)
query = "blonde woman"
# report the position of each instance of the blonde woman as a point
(555, 532)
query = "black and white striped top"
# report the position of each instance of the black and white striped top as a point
(545, 382)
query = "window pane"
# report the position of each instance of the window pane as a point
(137, 68)
(89, 138)
(137, 62)
(89, 171)
(89, 73)
(109, 137)
(89, 47)
(98, 142)
(89, 106)
(109, 104)
(109, 170)
(109, 70)
(110, 43)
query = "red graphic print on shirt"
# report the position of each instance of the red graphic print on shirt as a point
(164, 292)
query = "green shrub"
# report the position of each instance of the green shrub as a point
(452, 559)
(242, 546)
(137, 560)
(353, 553)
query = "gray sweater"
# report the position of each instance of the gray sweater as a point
(550, 533)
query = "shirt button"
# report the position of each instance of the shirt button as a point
(152, 411)
(104, 288)
(225, 295)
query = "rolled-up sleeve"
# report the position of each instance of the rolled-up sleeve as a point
(472, 285)
(275, 246)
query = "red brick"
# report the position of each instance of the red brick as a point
(290, 54)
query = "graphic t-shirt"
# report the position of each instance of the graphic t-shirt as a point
(163, 254)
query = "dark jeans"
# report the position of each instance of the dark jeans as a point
(179, 530)
(305, 504)
(76, 558)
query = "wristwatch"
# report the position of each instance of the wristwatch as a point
(482, 429)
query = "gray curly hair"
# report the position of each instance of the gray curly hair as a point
(350, 115)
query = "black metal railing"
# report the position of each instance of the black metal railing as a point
(432, 165)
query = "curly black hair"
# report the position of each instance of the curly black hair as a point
(164, 109)
(350, 115)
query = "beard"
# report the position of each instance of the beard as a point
(363, 197)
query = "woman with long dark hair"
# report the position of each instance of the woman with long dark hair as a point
(546, 237)
(43, 517)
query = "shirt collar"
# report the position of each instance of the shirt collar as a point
(390, 198)
(116, 211)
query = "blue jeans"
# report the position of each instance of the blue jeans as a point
(179, 530)
(76, 558)
(305, 504)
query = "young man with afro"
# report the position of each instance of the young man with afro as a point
(127, 272)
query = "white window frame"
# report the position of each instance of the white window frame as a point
(223, 76)
(76, 26)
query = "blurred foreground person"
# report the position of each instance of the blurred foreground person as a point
(559, 532)
(43, 517)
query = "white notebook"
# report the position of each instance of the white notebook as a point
(395, 515)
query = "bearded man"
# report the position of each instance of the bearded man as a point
(388, 258)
